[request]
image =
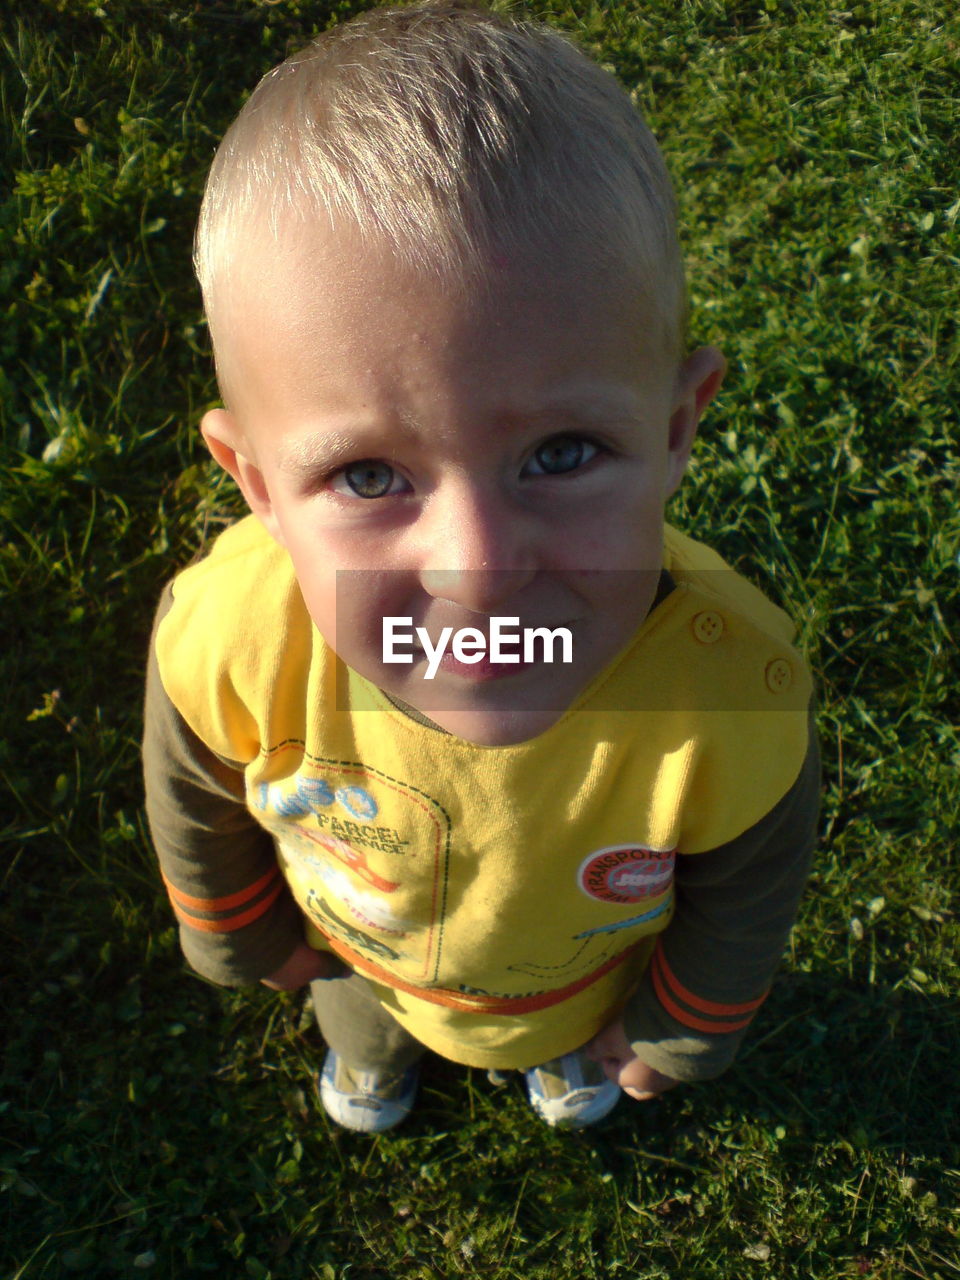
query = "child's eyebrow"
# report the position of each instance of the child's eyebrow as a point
(326, 450)
(318, 451)
(591, 411)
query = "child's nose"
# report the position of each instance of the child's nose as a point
(479, 590)
(480, 552)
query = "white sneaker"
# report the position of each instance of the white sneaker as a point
(571, 1091)
(366, 1101)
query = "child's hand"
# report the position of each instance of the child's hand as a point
(611, 1049)
(305, 965)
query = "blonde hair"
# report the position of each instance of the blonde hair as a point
(451, 133)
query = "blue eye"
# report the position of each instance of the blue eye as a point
(368, 478)
(560, 454)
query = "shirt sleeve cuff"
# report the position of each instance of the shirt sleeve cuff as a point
(231, 961)
(660, 1042)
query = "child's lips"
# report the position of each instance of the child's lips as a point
(484, 669)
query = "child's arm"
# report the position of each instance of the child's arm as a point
(305, 965)
(713, 965)
(238, 921)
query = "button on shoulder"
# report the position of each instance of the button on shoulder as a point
(779, 675)
(708, 626)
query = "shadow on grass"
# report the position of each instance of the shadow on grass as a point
(152, 1116)
(877, 1059)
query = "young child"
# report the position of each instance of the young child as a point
(452, 726)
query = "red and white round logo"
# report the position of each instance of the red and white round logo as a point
(625, 874)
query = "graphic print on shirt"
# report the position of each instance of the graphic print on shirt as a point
(627, 874)
(367, 859)
(621, 875)
(414, 896)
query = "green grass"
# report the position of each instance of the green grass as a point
(152, 1123)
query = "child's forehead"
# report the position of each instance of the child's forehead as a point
(315, 275)
(306, 305)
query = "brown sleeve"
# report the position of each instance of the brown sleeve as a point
(238, 921)
(713, 964)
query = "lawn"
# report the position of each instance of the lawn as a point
(152, 1123)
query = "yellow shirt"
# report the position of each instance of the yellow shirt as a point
(504, 900)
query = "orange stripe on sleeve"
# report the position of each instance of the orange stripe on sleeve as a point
(682, 1015)
(697, 1002)
(179, 898)
(232, 922)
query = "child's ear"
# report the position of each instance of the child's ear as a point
(698, 382)
(226, 443)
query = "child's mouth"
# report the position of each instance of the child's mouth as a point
(484, 669)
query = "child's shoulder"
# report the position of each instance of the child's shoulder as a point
(245, 570)
(694, 564)
(235, 630)
(246, 539)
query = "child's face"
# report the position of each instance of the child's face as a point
(469, 459)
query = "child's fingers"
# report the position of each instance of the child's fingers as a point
(303, 966)
(641, 1082)
(638, 1096)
